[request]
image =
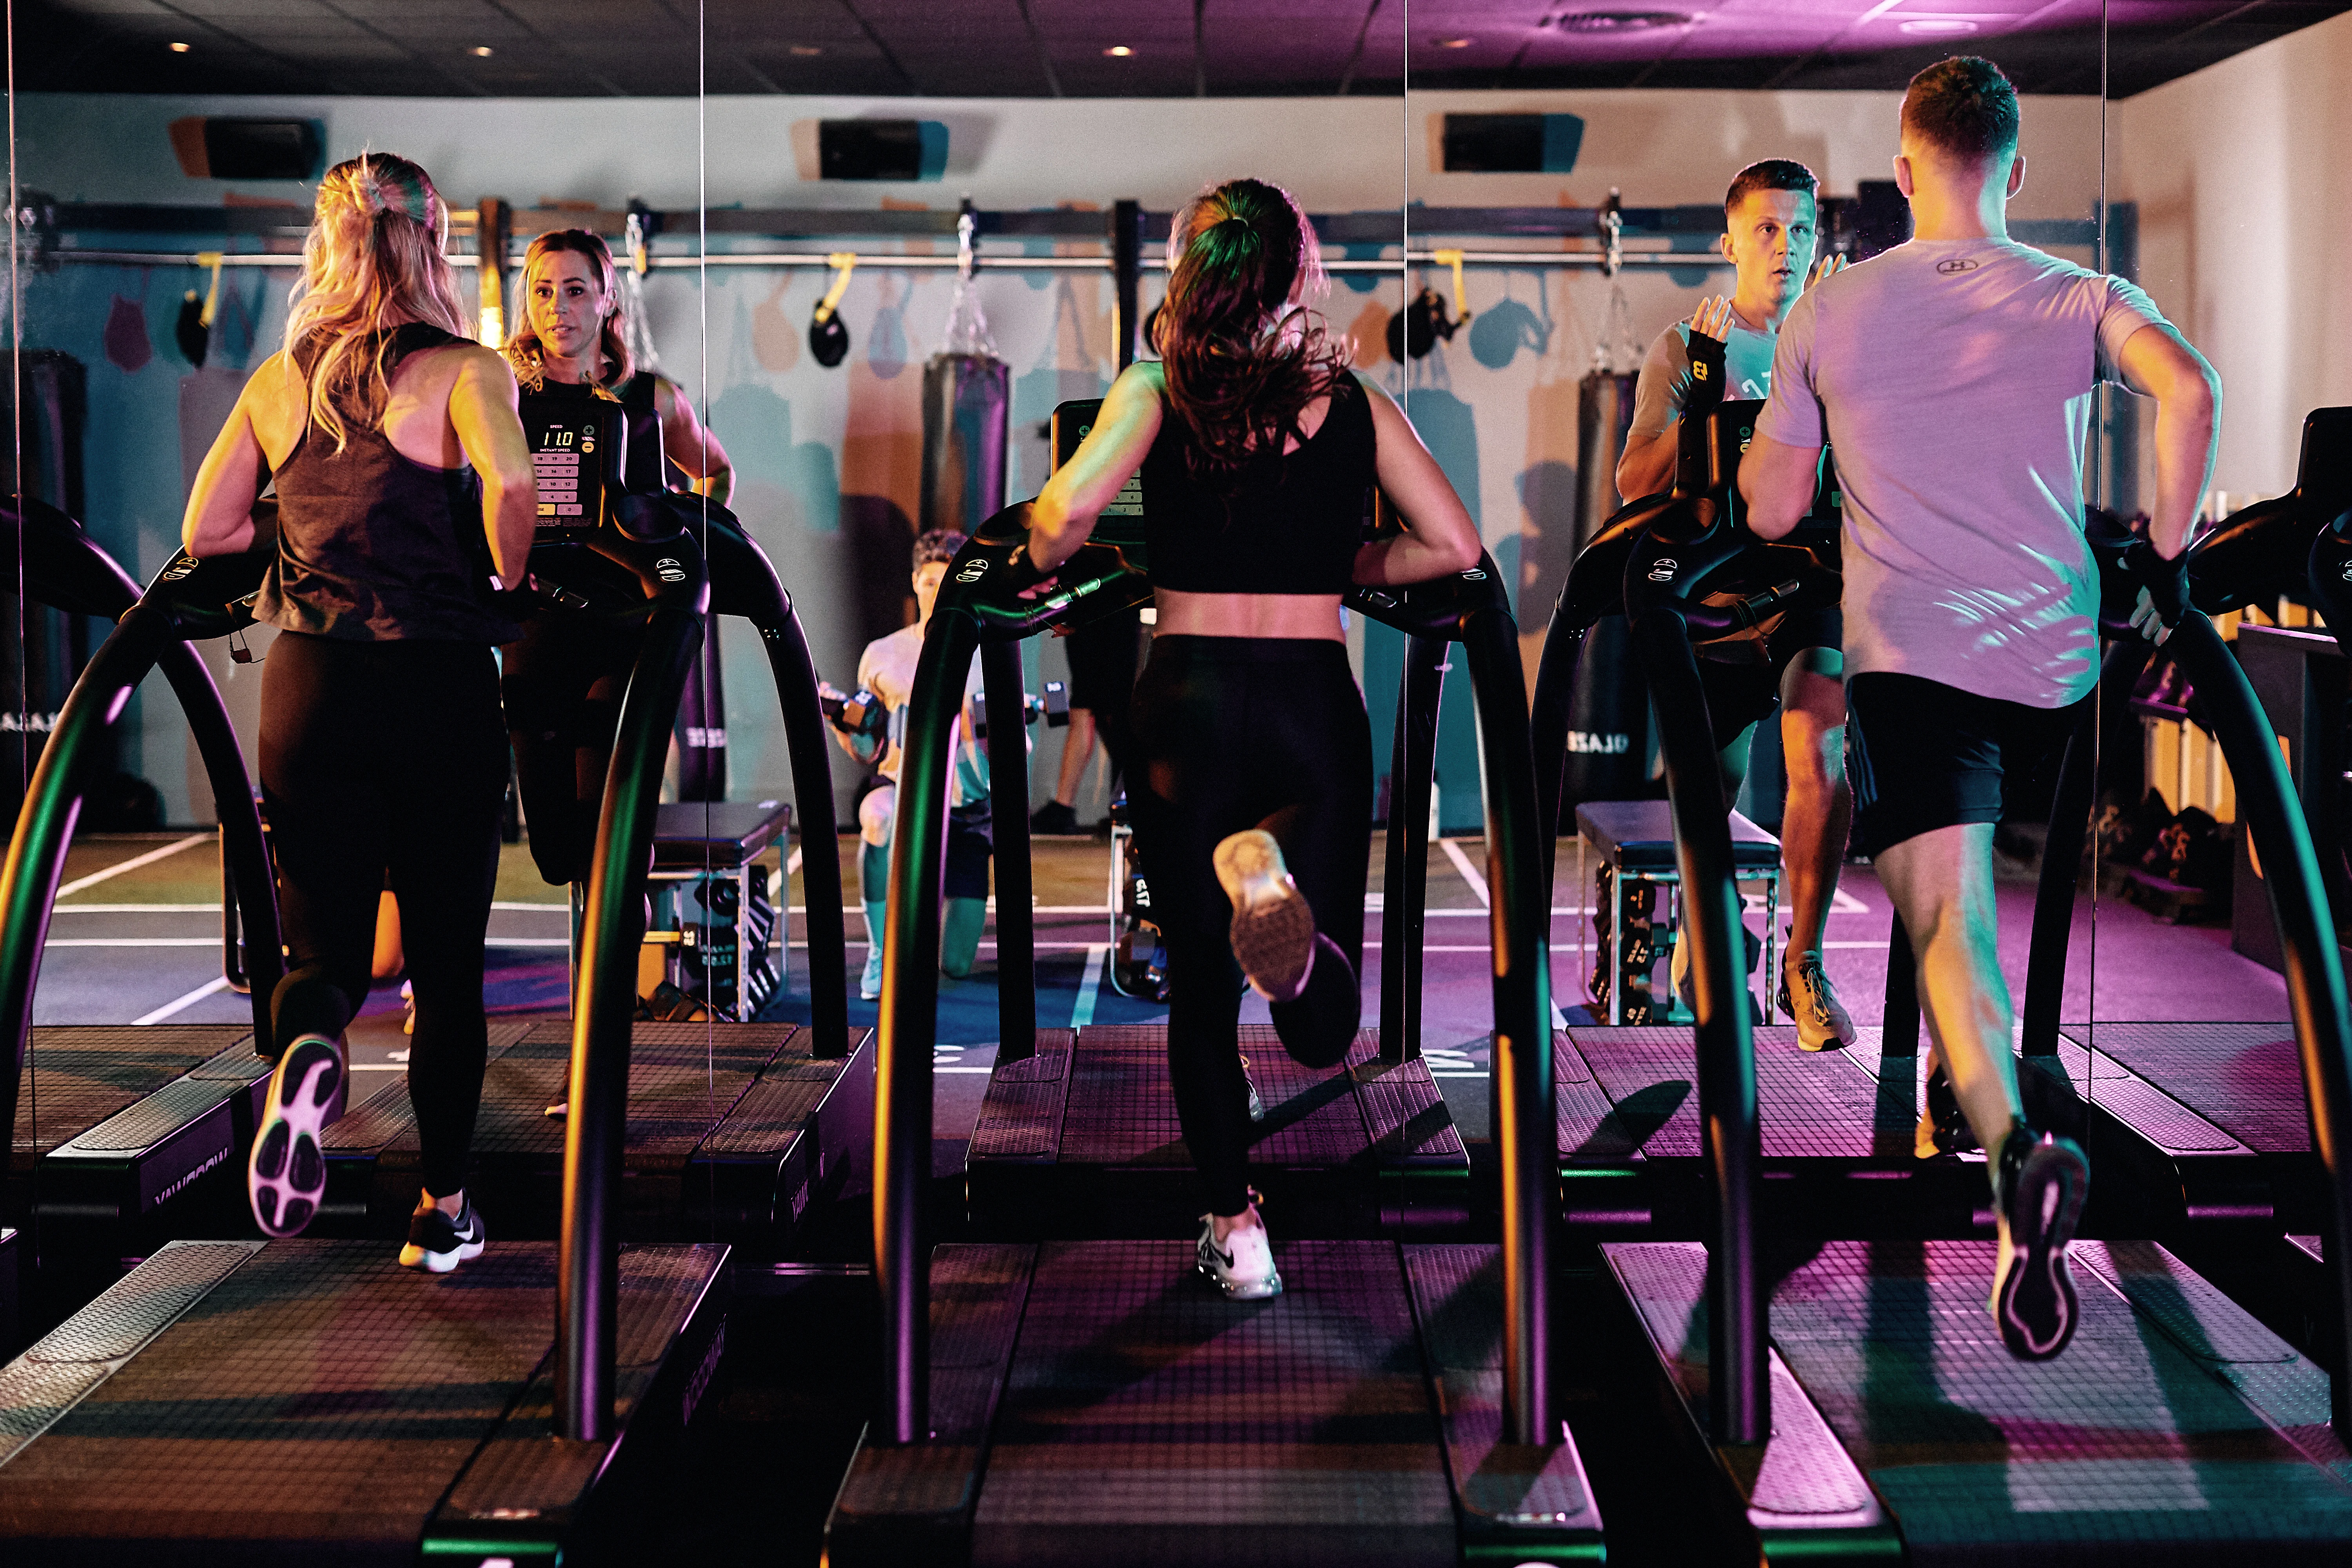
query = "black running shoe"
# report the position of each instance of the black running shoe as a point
(2037, 1201)
(437, 1243)
(286, 1174)
(1055, 820)
(1943, 1126)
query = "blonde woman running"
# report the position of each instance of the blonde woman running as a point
(403, 484)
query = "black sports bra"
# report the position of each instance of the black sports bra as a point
(1288, 523)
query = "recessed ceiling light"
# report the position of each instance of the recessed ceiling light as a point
(808, 51)
(1621, 21)
(1119, 51)
(481, 51)
(182, 48)
(1456, 43)
(1938, 27)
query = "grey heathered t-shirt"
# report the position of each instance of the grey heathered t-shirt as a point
(1666, 381)
(1952, 379)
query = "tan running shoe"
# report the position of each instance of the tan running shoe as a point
(1272, 929)
(1807, 995)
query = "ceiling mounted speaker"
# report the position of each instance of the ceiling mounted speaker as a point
(218, 149)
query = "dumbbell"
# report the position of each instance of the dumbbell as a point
(860, 713)
(1054, 707)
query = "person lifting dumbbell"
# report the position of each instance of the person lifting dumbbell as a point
(871, 725)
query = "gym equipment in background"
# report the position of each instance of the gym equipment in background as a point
(967, 400)
(828, 334)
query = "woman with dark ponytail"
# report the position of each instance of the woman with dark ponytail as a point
(1253, 782)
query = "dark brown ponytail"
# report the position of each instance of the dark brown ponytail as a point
(1237, 379)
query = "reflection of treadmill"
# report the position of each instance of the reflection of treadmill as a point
(1853, 1398)
(735, 1130)
(159, 1420)
(1085, 1400)
(1077, 1134)
(123, 1137)
(1837, 1126)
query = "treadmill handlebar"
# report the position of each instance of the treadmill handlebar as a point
(993, 582)
(63, 568)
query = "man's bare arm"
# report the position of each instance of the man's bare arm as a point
(2157, 361)
(1779, 484)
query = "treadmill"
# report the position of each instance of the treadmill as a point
(514, 1411)
(1847, 1396)
(1634, 1145)
(123, 1136)
(736, 1132)
(1076, 1134)
(1063, 1400)
(2256, 1174)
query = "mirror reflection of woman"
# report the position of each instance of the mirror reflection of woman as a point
(403, 483)
(565, 677)
(1252, 784)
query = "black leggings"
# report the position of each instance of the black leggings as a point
(1233, 733)
(563, 684)
(383, 757)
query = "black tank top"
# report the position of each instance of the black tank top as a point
(373, 546)
(1285, 524)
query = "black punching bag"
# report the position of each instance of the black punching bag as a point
(967, 400)
(1609, 706)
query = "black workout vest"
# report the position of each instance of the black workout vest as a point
(373, 546)
(1285, 524)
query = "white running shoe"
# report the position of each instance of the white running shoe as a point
(1807, 995)
(286, 1173)
(1244, 1267)
(1272, 929)
(1257, 1106)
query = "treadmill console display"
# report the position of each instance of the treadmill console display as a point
(576, 458)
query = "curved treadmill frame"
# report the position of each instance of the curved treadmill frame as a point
(969, 1453)
(1847, 1454)
(448, 1403)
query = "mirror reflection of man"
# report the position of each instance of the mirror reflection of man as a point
(1971, 597)
(1770, 238)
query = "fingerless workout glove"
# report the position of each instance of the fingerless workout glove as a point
(1706, 373)
(2167, 582)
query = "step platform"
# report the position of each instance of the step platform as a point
(2175, 1429)
(736, 1132)
(312, 1402)
(2244, 1155)
(1837, 1131)
(1081, 1140)
(126, 1136)
(1098, 1402)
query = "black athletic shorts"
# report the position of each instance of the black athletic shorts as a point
(1738, 695)
(972, 835)
(1922, 755)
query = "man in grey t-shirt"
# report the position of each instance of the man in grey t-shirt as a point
(1952, 379)
(1769, 235)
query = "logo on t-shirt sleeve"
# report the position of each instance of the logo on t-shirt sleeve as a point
(1952, 264)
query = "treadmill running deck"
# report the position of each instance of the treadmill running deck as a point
(1083, 1138)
